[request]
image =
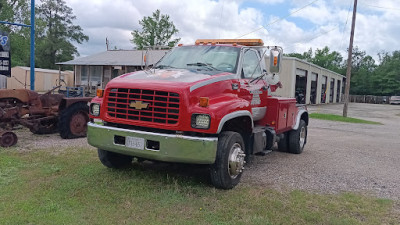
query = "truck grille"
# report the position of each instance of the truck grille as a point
(143, 105)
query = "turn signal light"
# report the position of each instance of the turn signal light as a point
(99, 93)
(204, 101)
(275, 61)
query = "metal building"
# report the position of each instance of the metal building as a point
(3, 82)
(97, 70)
(45, 79)
(309, 83)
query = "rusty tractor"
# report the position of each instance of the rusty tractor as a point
(42, 114)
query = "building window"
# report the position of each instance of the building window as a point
(84, 75)
(96, 72)
(91, 75)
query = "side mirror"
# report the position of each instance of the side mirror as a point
(275, 59)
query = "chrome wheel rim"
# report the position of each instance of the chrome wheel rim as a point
(236, 160)
(302, 139)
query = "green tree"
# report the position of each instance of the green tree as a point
(157, 30)
(56, 32)
(362, 76)
(305, 56)
(17, 11)
(329, 60)
(386, 77)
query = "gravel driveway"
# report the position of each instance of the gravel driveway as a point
(340, 156)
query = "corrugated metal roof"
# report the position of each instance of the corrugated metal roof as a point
(41, 70)
(118, 58)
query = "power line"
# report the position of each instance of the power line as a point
(345, 25)
(380, 7)
(319, 35)
(278, 19)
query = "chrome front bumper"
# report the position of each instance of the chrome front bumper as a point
(169, 147)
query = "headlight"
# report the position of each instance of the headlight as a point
(95, 109)
(201, 121)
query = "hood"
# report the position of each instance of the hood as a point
(174, 75)
(176, 78)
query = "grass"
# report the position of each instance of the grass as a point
(333, 117)
(72, 187)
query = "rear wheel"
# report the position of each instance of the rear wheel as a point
(230, 159)
(114, 160)
(73, 121)
(283, 144)
(298, 138)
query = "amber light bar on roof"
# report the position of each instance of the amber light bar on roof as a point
(246, 42)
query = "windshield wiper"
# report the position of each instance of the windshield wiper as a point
(164, 67)
(201, 64)
(259, 77)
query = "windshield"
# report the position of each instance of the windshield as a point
(207, 58)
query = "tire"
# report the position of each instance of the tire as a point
(73, 121)
(283, 144)
(114, 160)
(228, 166)
(298, 138)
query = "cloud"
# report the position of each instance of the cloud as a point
(323, 23)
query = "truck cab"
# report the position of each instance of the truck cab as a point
(207, 103)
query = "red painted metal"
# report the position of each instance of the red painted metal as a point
(223, 100)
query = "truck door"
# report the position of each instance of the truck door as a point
(255, 91)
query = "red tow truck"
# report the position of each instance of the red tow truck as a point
(207, 103)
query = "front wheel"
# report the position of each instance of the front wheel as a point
(114, 160)
(298, 138)
(230, 159)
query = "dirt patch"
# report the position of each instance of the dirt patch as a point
(28, 141)
(340, 156)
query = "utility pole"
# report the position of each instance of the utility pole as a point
(349, 61)
(32, 45)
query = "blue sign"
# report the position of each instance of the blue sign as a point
(5, 56)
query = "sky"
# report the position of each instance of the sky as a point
(296, 25)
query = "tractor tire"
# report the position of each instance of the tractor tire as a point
(114, 160)
(298, 138)
(73, 121)
(229, 162)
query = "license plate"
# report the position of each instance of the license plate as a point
(134, 142)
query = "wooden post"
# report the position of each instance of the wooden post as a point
(349, 64)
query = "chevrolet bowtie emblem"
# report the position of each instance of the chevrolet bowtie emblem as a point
(138, 105)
